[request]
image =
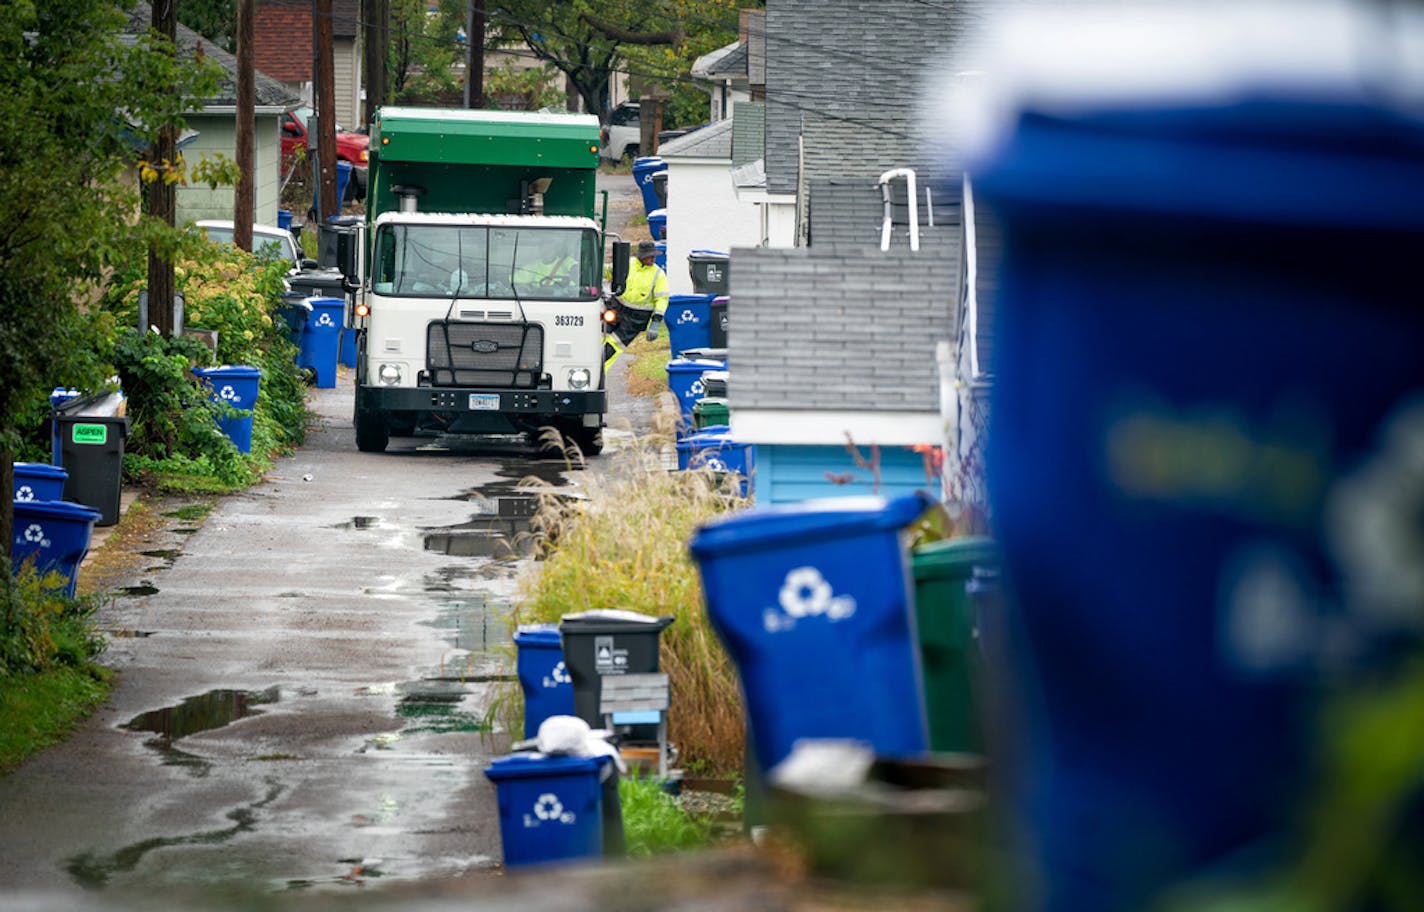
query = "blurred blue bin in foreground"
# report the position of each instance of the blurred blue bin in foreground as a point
(543, 675)
(54, 534)
(814, 605)
(38, 481)
(550, 807)
(321, 339)
(1192, 517)
(237, 387)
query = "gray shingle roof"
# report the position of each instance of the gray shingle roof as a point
(840, 59)
(748, 132)
(839, 328)
(851, 212)
(270, 93)
(734, 63)
(711, 141)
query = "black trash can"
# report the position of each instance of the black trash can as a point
(718, 310)
(91, 450)
(710, 272)
(335, 241)
(610, 642)
(660, 188)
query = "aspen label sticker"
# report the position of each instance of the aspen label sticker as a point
(608, 658)
(558, 676)
(806, 594)
(548, 809)
(90, 433)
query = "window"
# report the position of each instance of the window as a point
(500, 262)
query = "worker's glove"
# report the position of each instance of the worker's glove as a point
(653, 324)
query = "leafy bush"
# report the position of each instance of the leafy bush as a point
(41, 628)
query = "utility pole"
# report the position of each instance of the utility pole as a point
(324, 86)
(376, 21)
(244, 201)
(162, 195)
(475, 56)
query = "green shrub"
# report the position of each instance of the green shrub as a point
(41, 628)
(654, 823)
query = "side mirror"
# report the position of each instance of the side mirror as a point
(621, 252)
(309, 263)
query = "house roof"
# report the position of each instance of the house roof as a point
(271, 94)
(748, 132)
(851, 212)
(839, 328)
(733, 63)
(848, 61)
(711, 141)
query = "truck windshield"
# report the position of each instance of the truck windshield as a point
(443, 261)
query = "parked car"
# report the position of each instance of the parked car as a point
(352, 148)
(265, 238)
(623, 134)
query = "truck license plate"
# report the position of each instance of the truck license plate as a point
(484, 402)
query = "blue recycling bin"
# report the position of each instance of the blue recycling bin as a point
(543, 676)
(321, 339)
(343, 178)
(38, 481)
(284, 219)
(713, 448)
(657, 224)
(689, 321)
(814, 605)
(236, 386)
(685, 381)
(1184, 512)
(54, 534)
(661, 258)
(348, 347)
(550, 807)
(643, 170)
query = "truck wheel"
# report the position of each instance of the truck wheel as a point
(372, 435)
(589, 440)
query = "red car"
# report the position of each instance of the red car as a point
(350, 147)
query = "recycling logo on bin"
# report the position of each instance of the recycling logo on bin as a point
(687, 316)
(805, 594)
(229, 395)
(695, 390)
(558, 676)
(607, 658)
(324, 320)
(34, 534)
(548, 808)
(24, 492)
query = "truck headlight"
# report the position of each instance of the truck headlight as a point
(579, 378)
(389, 374)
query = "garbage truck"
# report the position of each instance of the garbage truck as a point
(476, 278)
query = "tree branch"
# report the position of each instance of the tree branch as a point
(628, 36)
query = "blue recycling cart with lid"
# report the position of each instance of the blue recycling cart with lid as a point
(661, 258)
(321, 339)
(713, 448)
(348, 347)
(689, 322)
(815, 606)
(657, 224)
(550, 807)
(39, 481)
(685, 381)
(55, 535)
(543, 675)
(236, 386)
(643, 170)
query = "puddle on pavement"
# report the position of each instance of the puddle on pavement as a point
(500, 528)
(185, 531)
(167, 555)
(93, 871)
(363, 522)
(139, 590)
(475, 625)
(205, 712)
(129, 634)
(435, 707)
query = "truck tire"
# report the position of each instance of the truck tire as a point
(372, 435)
(589, 440)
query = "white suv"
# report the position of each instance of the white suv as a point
(623, 135)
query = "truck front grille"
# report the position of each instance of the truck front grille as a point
(484, 354)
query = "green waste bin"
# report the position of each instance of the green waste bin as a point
(709, 411)
(944, 615)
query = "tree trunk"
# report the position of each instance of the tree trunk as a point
(377, 48)
(162, 195)
(475, 58)
(324, 86)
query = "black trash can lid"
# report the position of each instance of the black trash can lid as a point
(613, 619)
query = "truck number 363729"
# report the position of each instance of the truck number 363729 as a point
(565, 320)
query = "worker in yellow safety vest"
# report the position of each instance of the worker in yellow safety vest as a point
(645, 290)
